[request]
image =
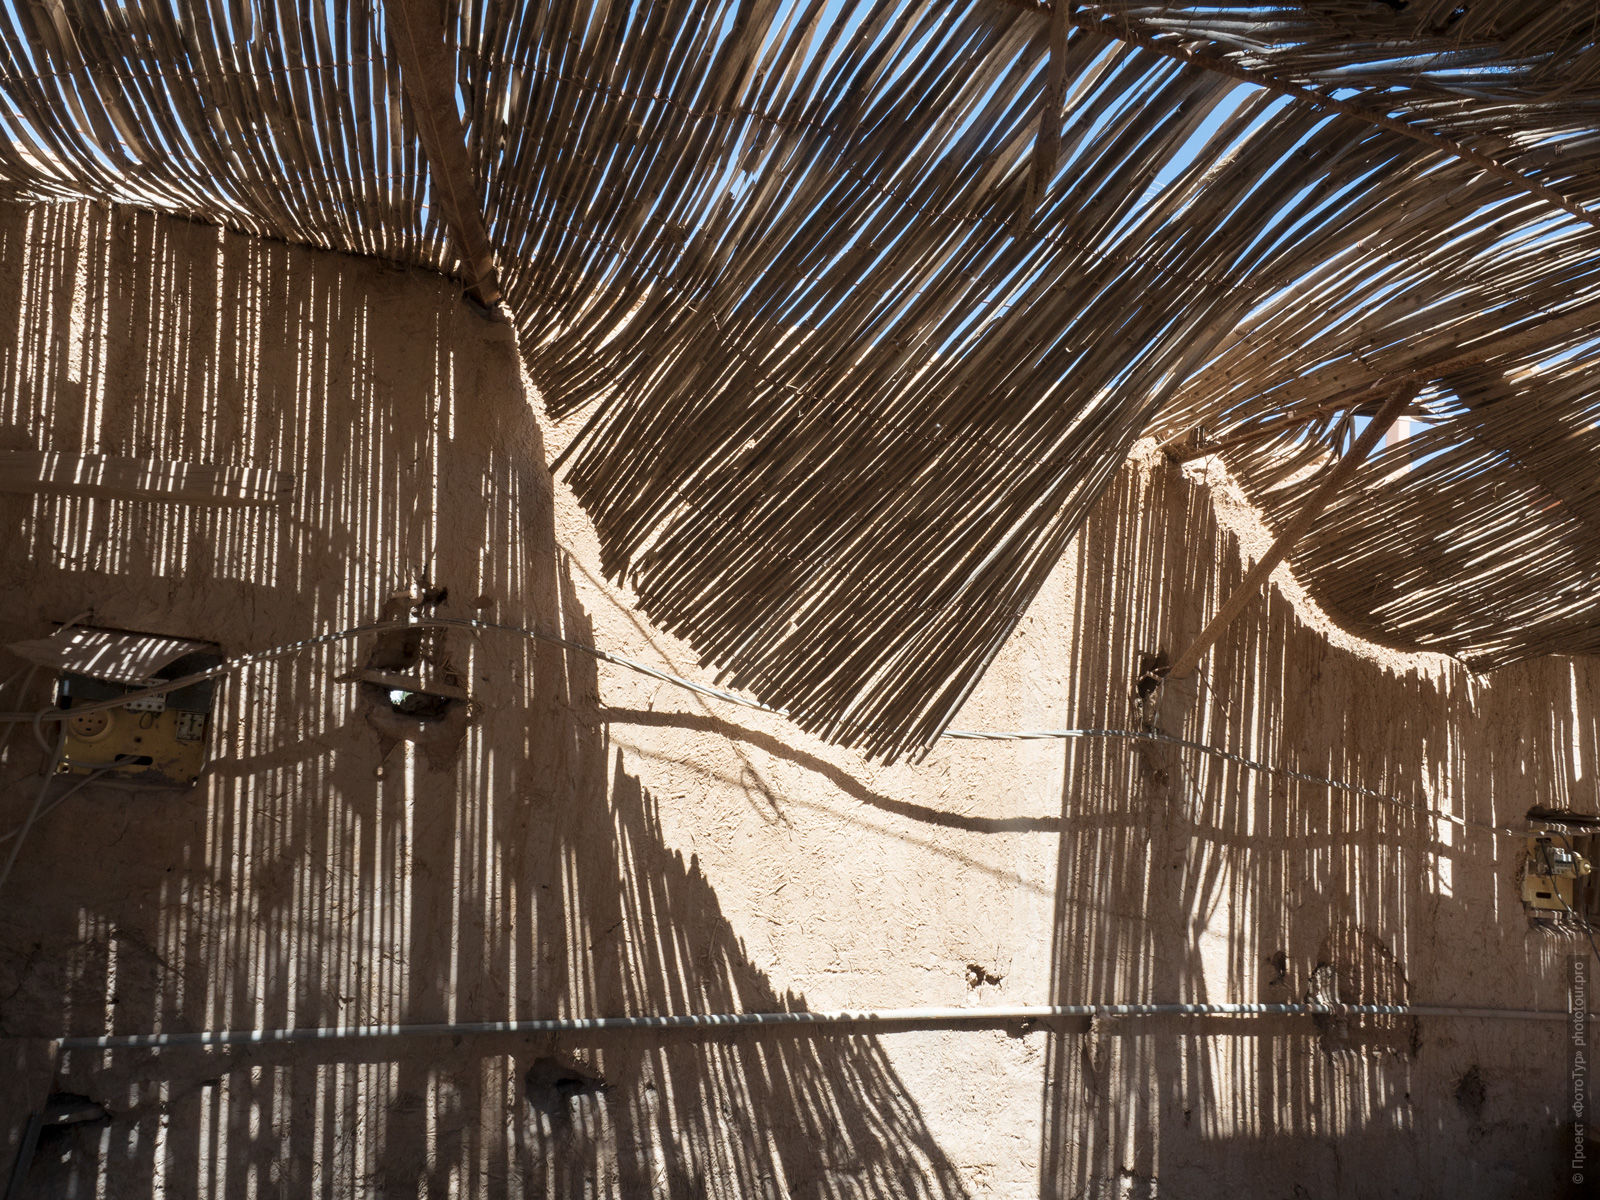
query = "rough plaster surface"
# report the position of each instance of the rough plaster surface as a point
(603, 843)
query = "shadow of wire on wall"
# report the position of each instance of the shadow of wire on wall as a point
(324, 872)
(1183, 878)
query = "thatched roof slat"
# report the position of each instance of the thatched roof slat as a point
(866, 303)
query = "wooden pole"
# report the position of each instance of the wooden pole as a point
(1047, 141)
(417, 29)
(1528, 336)
(1267, 427)
(1335, 478)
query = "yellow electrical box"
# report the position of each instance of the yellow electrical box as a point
(1557, 869)
(155, 747)
(155, 740)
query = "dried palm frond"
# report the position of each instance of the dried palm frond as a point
(868, 302)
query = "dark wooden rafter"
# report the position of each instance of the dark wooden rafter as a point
(1047, 142)
(1337, 476)
(1523, 339)
(416, 27)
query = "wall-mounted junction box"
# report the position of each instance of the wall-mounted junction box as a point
(157, 740)
(1558, 883)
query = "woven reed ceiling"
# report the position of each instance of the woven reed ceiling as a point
(867, 301)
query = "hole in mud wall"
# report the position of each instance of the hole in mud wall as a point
(1471, 1092)
(1152, 667)
(420, 706)
(1356, 967)
(979, 975)
(411, 689)
(1278, 960)
(62, 1122)
(551, 1086)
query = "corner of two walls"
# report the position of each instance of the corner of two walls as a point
(604, 844)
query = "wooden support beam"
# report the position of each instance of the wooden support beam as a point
(1047, 141)
(1519, 339)
(429, 77)
(1334, 478)
(1182, 448)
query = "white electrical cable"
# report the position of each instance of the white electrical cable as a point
(21, 832)
(95, 776)
(22, 694)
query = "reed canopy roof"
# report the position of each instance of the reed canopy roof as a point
(867, 300)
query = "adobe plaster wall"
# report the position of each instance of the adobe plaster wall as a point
(602, 843)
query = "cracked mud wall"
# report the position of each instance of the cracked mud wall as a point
(601, 843)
